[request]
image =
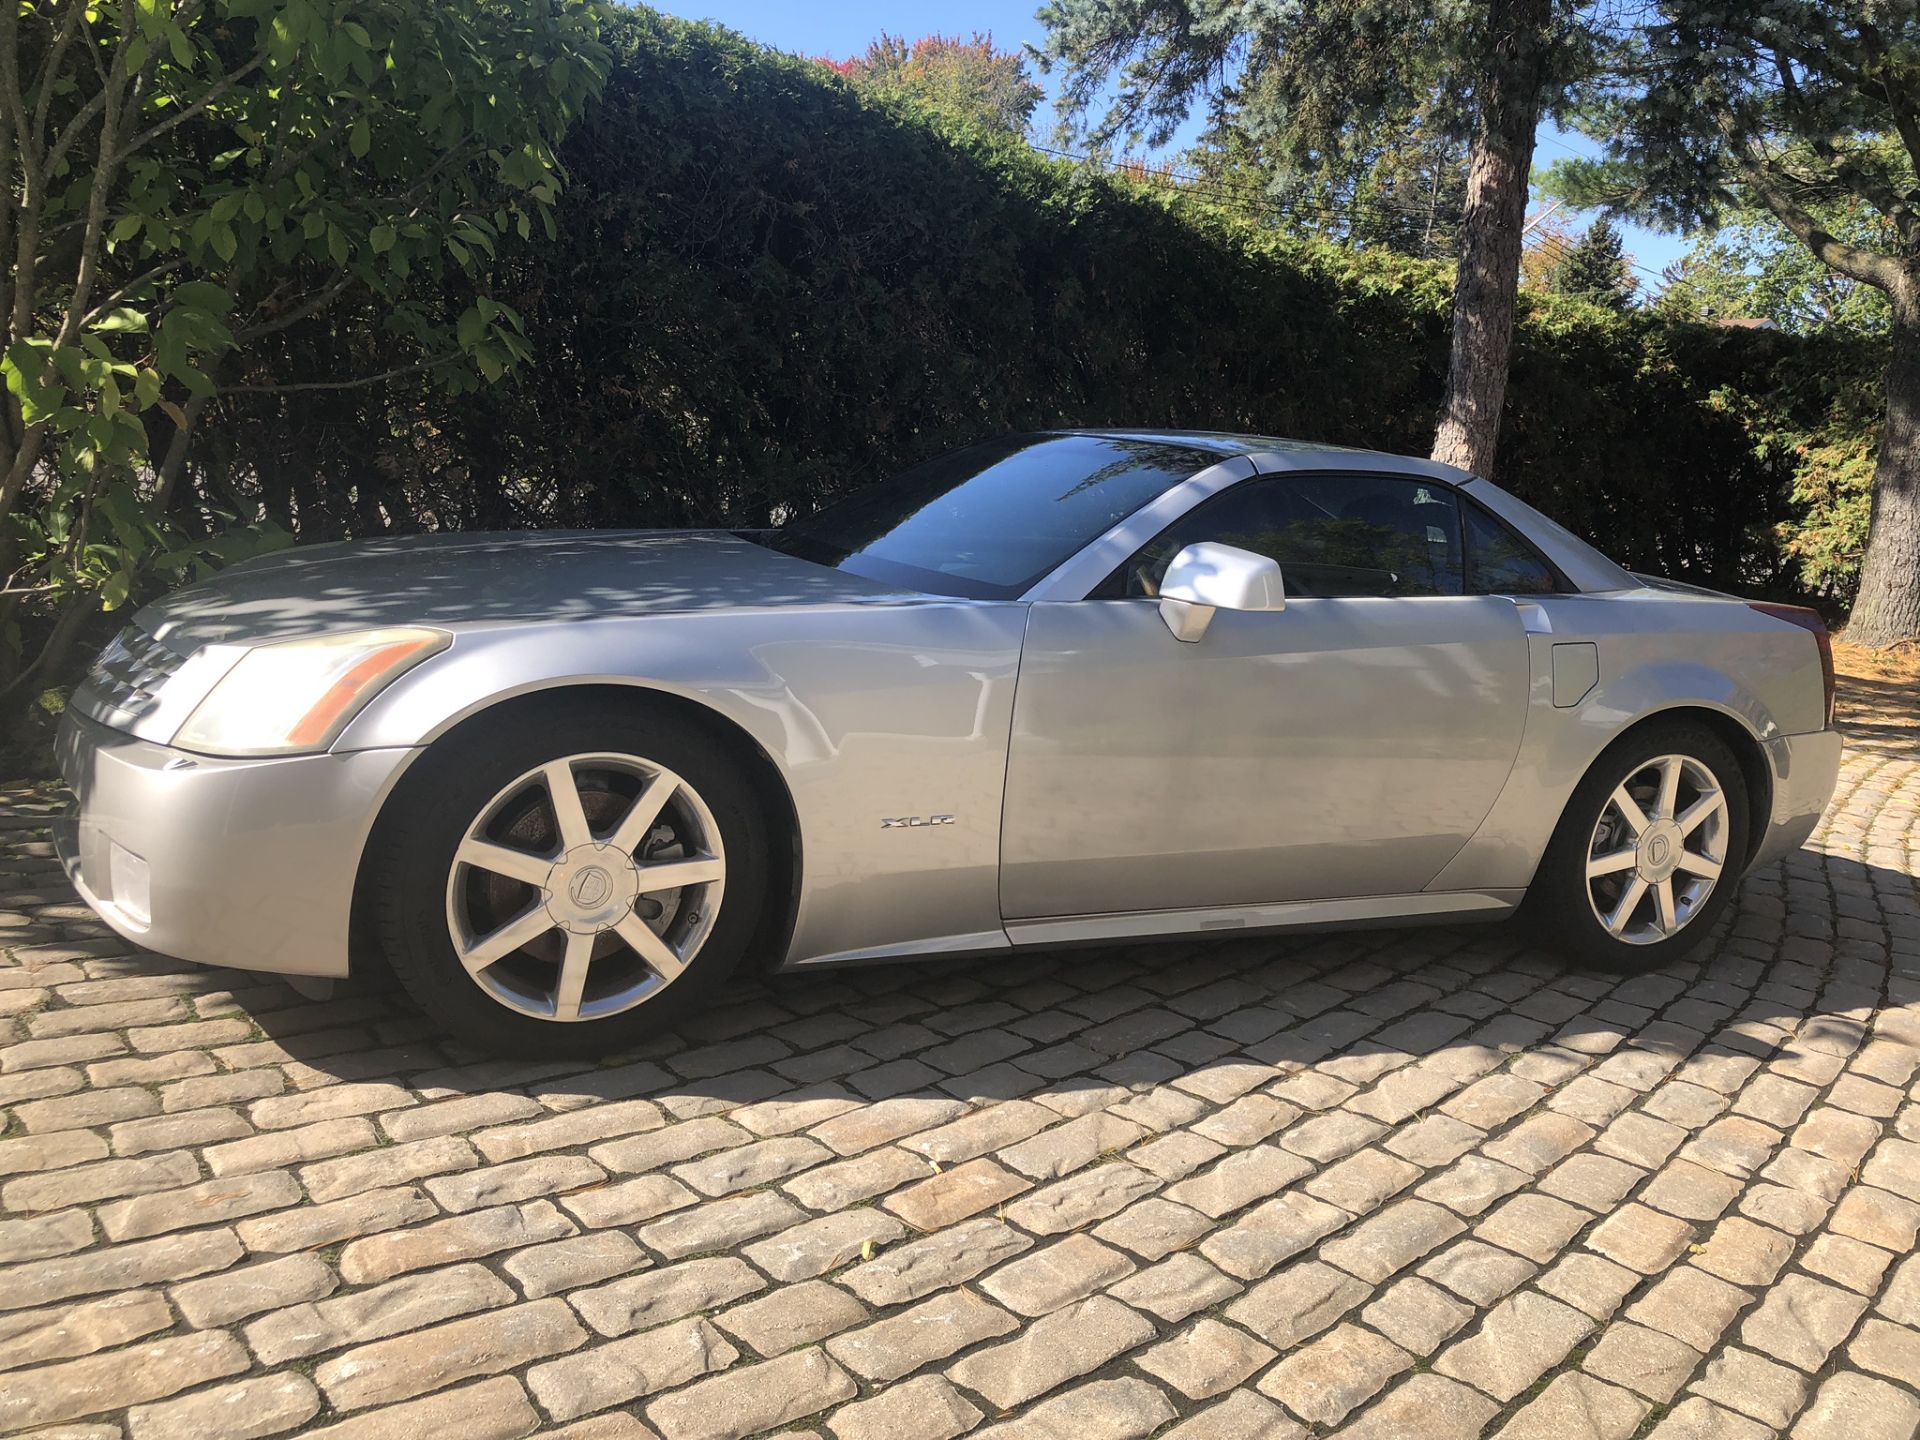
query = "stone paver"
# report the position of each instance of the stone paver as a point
(1523, 1337)
(1370, 1185)
(1577, 1407)
(1053, 1350)
(1205, 1359)
(1324, 1382)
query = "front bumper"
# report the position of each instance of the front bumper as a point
(248, 864)
(1805, 770)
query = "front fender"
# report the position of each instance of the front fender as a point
(868, 712)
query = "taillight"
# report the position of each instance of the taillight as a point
(1807, 620)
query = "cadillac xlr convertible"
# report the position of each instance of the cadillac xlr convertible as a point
(1059, 688)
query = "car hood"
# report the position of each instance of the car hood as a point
(468, 579)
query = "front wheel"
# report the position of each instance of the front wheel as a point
(569, 879)
(1648, 852)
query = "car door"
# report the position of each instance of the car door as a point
(1346, 746)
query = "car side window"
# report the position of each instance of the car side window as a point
(1334, 535)
(1499, 562)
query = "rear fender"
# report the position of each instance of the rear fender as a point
(1712, 656)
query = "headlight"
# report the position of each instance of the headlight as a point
(298, 695)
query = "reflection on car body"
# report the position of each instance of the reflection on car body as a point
(1123, 684)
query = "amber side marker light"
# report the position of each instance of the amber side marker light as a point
(294, 696)
(318, 724)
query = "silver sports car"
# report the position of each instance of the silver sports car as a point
(1079, 686)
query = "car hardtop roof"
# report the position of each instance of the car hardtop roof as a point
(1225, 442)
(1588, 569)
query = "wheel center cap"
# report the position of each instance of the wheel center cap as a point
(591, 888)
(1659, 851)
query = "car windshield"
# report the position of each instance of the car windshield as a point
(989, 521)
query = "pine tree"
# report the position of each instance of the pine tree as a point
(1595, 268)
(1809, 109)
(1402, 189)
(1318, 85)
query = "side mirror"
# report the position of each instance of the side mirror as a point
(1210, 576)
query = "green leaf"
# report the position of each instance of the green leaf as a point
(381, 239)
(122, 508)
(360, 138)
(284, 39)
(71, 365)
(31, 381)
(203, 295)
(183, 336)
(121, 320)
(114, 593)
(472, 328)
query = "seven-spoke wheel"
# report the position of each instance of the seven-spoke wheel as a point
(1648, 850)
(585, 886)
(570, 877)
(1658, 850)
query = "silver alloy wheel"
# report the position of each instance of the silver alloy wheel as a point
(1658, 849)
(585, 887)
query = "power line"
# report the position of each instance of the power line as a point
(1561, 145)
(1559, 251)
(1547, 236)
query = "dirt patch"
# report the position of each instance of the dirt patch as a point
(1879, 697)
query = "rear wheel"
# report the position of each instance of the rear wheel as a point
(570, 880)
(1648, 852)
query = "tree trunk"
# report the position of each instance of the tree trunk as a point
(1487, 278)
(1887, 610)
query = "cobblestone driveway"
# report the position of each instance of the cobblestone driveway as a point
(1422, 1183)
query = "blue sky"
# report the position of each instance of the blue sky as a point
(843, 28)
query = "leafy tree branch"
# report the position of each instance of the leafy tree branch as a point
(181, 181)
(1807, 109)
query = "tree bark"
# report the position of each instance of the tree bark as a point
(1887, 610)
(1487, 277)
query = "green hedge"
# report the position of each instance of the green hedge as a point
(766, 290)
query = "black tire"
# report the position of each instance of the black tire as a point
(1565, 913)
(412, 857)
